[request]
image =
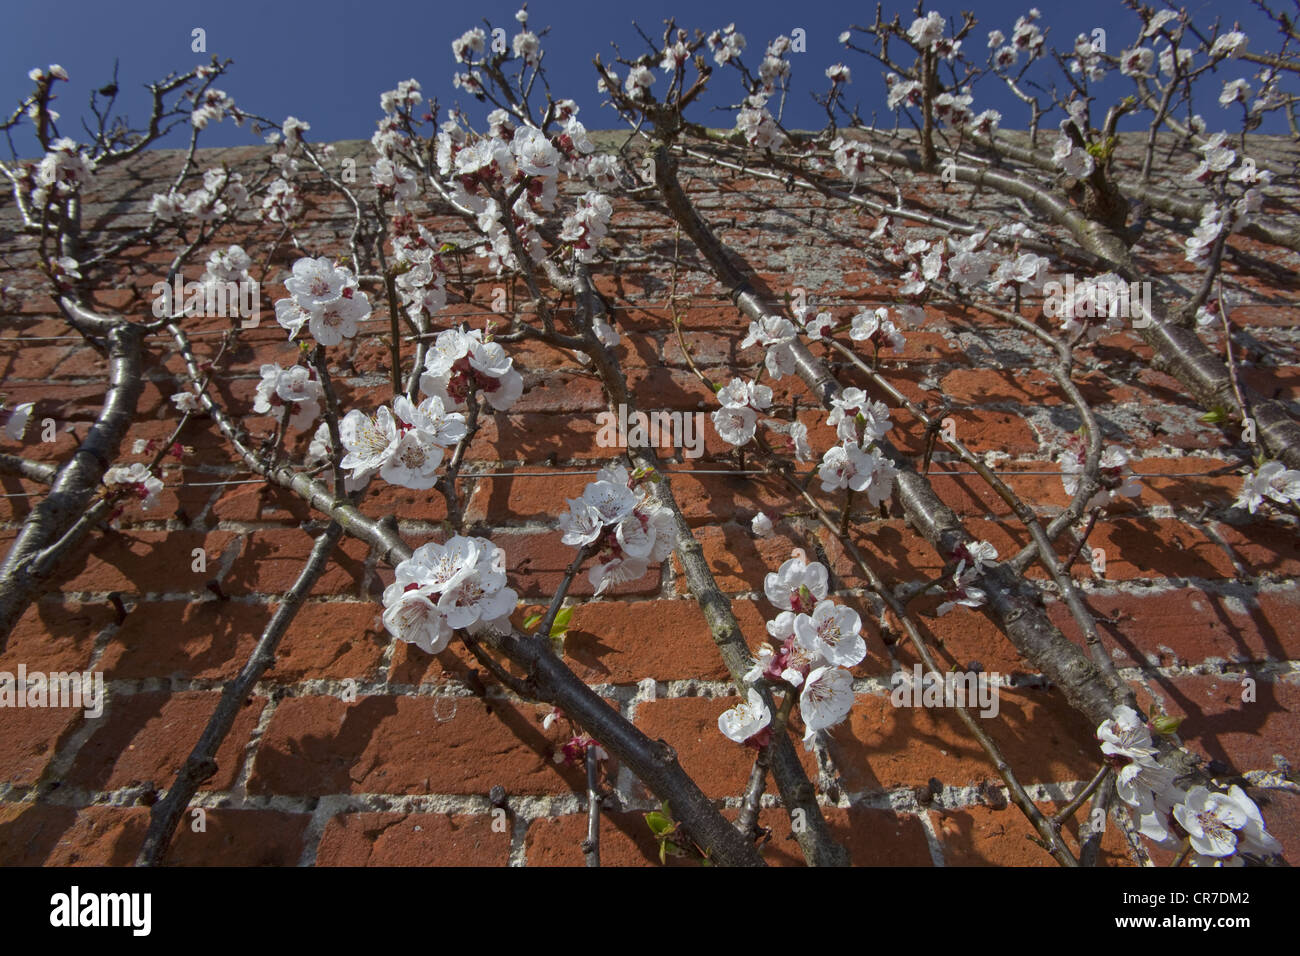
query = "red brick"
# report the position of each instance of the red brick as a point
(271, 560)
(321, 745)
(36, 834)
(31, 738)
(412, 839)
(143, 562)
(535, 438)
(622, 643)
(872, 837)
(1219, 724)
(881, 746)
(625, 840)
(536, 564)
(1188, 626)
(989, 836)
(690, 726)
(499, 500)
(260, 502)
(55, 636)
(146, 738)
(239, 838)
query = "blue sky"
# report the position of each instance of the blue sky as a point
(328, 60)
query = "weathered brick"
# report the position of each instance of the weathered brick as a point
(413, 839)
(412, 745)
(33, 834)
(146, 738)
(240, 838)
(690, 726)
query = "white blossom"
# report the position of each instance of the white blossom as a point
(138, 479)
(745, 719)
(832, 632)
(826, 699)
(1273, 480)
(785, 587)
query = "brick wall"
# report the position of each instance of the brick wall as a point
(1191, 603)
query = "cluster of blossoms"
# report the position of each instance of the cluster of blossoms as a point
(525, 161)
(758, 126)
(816, 325)
(954, 109)
(324, 297)
(777, 335)
(620, 520)
(135, 480)
(638, 82)
(737, 419)
(1201, 242)
(964, 261)
(775, 66)
(966, 264)
(224, 267)
(675, 54)
(293, 387)
(1113, 472)
(587, 225)
(213, 104)
(926, 33)
(59, 175)
(221, 192)
(960, 589)
(281, 203)
(391, 137)
(902, 92)
(1088, 58)
(1271, 96)
(1271, 480)
(290, 132)
(877, 328)
(856, 464)
(1217, 159)
(471, 46)
(813, 643)
(45, 78)
(464, 361)
(442, 588)
(421, 285)
(403, 446)
(1221, 827)
(1026, 37)
(395, 182)
(726, 44)
(1091, 308)
(852, 158)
